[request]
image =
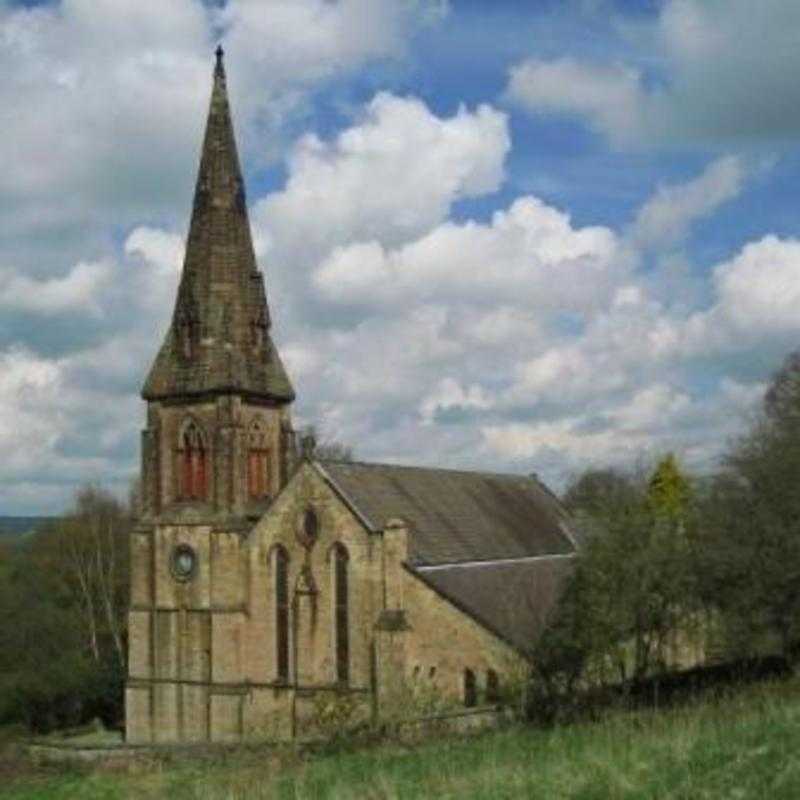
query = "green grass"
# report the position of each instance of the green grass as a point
(746, 746)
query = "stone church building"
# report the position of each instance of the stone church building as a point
(273, 592)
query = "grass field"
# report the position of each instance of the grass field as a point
(745, 746)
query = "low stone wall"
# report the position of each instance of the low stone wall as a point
(80, 749)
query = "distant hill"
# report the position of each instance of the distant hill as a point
(16, 526)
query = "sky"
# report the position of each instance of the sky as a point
(513, 235)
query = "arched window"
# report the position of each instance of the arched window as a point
(470, 689)
(192, 463)
(281, 563)
(257, 462)
(341, 613)
(492, 687)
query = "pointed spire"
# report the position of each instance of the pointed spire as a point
(219, 339)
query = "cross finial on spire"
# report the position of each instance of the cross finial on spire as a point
(219, 52)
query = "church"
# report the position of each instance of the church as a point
(273, 592)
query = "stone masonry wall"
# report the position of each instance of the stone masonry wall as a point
(203, 658)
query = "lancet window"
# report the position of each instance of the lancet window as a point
(281, 566)
(192, 463)
(341, 613)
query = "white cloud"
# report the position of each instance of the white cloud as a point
(524, 341)
(30, 416)
(449, 395)
(665, 218)
(162, 249)
(391, 176)
(103, 106)
(78, 291)
(115, 93)
(531, 252)
(756, 299)
(521, 342)
(710, 71)
(610, 97)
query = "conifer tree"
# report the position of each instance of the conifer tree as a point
(669, 492)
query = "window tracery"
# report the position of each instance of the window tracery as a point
(192, 466)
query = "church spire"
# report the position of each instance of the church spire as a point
(218, 341)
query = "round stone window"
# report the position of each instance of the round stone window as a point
(183, 562)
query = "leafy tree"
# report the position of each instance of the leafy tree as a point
(631, 596)
(595, 489)
(43, 665)
(750, 554)
(63, 604)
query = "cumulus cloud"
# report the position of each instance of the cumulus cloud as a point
(529, 250)
(524, 341)
(97, 164)
(105, 102)
(725, 75)
(519, 339)
(283, 47)
(389, 177)
(756, 297)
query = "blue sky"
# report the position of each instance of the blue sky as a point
(524, 236)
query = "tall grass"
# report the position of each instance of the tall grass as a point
(744, 746)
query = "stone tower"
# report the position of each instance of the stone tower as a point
(218, 443)
(217, 449)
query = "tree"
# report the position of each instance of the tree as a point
(93, 547)
(45, 670)
(668, 491)
(631, 595)
(750, 536)
(595, 489)
(63, 604)
(326, 448)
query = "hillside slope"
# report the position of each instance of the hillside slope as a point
(746, 746)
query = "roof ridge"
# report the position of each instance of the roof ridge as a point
(346, 462)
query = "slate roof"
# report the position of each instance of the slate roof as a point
(456, 516)
(221, 305)
(513, 599)
(498, 547)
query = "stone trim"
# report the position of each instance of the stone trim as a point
(488, 562)
(243, 687)
(234, 609)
